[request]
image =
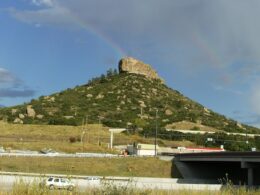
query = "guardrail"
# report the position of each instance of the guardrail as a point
(61, 155)
(79, 155)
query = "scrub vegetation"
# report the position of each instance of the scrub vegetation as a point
(120, 100)
(117, 100)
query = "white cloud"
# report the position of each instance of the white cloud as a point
(55, 15)
(48, 3)
(7, 77)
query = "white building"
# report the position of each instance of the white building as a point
(142, 149)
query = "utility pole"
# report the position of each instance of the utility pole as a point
(111, 139)
(99, 122)
(156, 130)
(82, 130)
(87, 128)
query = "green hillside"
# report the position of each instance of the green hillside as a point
(119, 100)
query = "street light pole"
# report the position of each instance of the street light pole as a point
(82, 140)
(247, 146)
(156, 130)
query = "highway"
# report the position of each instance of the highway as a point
(7, 181)
(56, 154)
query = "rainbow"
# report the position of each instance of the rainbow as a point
(119, 50)
(209, 51)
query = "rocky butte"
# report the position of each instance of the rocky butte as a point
(131, 65)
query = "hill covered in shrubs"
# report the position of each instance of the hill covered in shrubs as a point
(122, 99)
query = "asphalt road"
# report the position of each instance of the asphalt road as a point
(7, 181)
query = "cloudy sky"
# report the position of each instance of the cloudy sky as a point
(208, 50)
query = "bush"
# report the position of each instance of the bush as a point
(196, 128)
(72, 139)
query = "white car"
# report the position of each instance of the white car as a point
(57, 183)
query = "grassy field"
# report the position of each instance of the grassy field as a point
(68, 138)
(129, 166)
(38, 137)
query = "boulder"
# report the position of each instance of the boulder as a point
(52, 99)
(142, 104)
(89, 96)
(206, 110)
(13, 111)
(131, 65)
(39, 116)
(168, 112)
(68, 117)
(100, 96)
(18, 121)
(30, 111)
(21, 116)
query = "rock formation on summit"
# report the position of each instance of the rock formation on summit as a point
(131, 65)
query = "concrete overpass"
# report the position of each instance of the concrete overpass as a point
(239, 167)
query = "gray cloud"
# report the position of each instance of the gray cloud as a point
(255, 98)
(12, 93)
(11, 86)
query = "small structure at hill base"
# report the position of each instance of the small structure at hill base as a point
(142, 149)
